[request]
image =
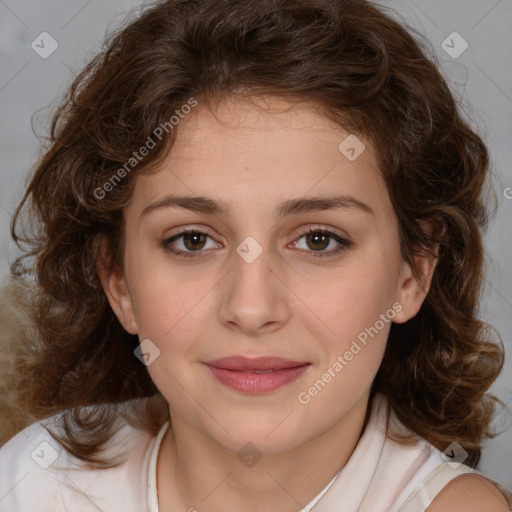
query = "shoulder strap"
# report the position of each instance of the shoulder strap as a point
(430, 487)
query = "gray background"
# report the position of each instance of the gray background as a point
(30, 88)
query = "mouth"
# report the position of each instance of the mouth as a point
(257, 375)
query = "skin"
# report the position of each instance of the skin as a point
(469, 493)
(254, 155)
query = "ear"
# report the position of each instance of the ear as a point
(411, 289)
(115, 287)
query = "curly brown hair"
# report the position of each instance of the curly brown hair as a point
(365, 72)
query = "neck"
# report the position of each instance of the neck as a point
(195, 472)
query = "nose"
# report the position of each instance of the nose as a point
(254, 297)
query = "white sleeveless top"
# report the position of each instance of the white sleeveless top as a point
(36, 473)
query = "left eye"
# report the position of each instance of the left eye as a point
(318, 240)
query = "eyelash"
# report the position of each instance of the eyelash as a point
(344, 244)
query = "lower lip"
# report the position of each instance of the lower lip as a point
(255, 383)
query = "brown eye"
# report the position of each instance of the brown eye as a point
(317, 240)
(321, 243)
(189, 244)
(194, 241)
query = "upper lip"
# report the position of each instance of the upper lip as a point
(242, 363)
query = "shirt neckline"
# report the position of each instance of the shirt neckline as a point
(152, 483)
(316, 499)
(152, 476)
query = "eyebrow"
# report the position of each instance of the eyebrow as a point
(207, 205)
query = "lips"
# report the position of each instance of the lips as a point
(241, 363)
(257, 375)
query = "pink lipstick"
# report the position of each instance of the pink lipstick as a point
(257, 375)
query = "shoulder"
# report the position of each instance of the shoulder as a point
(24, 461)
(428, 482)
(469, 493)
(38, 473)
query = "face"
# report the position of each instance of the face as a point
(290, 268)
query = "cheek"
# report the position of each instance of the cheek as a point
(162, 296)
(163, 307)
(170, 316)
(352, 299)
(356, 310)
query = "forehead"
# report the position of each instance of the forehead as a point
(262, 152)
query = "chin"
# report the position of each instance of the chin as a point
(267, 434)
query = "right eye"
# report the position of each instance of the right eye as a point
(190, 241)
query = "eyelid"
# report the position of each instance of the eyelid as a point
(185, 230)
(192, 229)
(343, 241)
(299, 232)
